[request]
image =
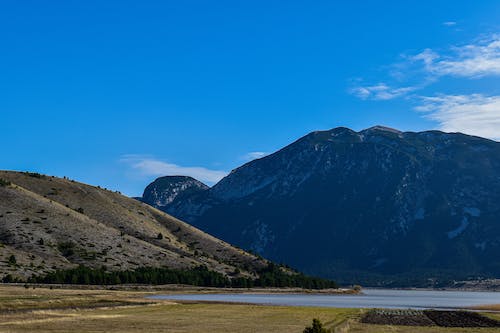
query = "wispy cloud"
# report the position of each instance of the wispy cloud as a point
(253, 155)
(477, 114)
(380, 91)
(472, 114)
(472, 60)
(449, 23)
(150, 166)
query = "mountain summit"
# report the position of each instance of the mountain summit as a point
(379, 206)
(165, 190)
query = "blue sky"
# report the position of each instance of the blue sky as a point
(117, 93)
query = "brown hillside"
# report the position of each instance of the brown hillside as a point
(50, 223)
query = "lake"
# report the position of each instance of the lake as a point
(370, 298)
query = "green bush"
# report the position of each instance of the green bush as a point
(79, 210)
(317, 327)
(12, 260)
(67, 249)
(4, 182)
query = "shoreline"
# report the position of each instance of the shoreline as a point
(179, 288)
(184, 289)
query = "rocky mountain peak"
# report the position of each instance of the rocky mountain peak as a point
(380, 128)
(165, 190)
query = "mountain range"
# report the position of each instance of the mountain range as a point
(378, 206)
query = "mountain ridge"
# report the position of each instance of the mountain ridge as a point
(379, 187)
(50, 224)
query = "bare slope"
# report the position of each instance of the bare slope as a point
(50, 223)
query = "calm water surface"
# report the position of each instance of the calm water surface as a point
(371, 298)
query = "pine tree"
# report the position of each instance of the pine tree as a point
(317, 327)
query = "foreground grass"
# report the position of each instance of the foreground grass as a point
(63, 310)
(172, 318)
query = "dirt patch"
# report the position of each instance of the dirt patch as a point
(397, 317)
(461, 319)
(428, 318)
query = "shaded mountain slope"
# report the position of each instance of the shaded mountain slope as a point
(377, 206)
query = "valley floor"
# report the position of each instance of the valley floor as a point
(80, 310)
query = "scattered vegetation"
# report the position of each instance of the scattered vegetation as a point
(4, 182)
(317, 327)
(34, 174)
(12, 260)
(67, 249)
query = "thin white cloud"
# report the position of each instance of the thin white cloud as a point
(427, 57)
(449, 23)
(149, 166)
(471, 60)
(253, 155)
(380, 91)
(474, 114)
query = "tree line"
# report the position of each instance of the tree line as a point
(271, 276)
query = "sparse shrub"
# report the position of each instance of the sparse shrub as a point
(160, 236)
(67, 249)
(317, 327)
(35, 174)
(9, 279)
(12, 260)
(4, 182)
(79, 210)
(53, 191)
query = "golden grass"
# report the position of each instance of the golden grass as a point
(488, 307)
(65, 310)
(175, 318)
(62, 310)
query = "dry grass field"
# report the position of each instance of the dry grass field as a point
(65, 310)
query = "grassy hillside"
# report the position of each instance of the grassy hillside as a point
(49, 224)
